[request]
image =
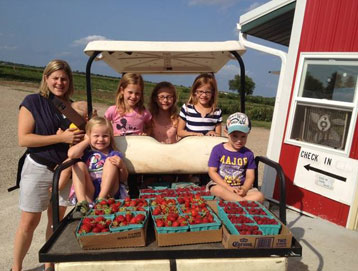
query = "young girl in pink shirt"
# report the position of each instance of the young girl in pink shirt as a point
(129, 116)
(164, 113)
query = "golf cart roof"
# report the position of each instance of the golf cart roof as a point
(153, 57)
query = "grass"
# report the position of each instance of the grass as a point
(104, 90)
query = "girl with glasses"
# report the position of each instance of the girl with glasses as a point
(163, 107)
(200, 115)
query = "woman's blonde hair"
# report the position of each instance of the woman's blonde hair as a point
(52, 66)
(127, 79)
(153, 105)
(103, 122)
(203, 79)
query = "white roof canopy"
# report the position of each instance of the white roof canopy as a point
(153, 57)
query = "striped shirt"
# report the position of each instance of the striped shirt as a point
(194, 122)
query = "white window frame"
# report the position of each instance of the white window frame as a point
(352, 106)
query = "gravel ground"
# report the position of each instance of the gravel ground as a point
(12, 94)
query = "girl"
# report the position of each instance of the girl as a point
(102, 167)
(200, 116)
(164, 113)
(38, 123)
(129, 115)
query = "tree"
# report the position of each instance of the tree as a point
(235, 84)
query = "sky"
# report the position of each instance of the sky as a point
(34, 32)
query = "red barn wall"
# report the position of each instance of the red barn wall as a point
(328, 26)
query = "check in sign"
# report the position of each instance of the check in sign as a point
(327, 174)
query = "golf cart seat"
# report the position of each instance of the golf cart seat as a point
(145, 155)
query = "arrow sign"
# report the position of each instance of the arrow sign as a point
(308, 167)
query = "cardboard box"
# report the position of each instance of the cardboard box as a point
(187, 238)
(132, 238)
(282, 240)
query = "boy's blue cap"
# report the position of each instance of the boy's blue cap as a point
(238, 122)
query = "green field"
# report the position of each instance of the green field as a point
(258, 108)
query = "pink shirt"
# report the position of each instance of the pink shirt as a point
(164, 133)
(129, 123)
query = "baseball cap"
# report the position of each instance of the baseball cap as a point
(238, 122)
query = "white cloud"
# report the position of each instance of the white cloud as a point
(85, 40)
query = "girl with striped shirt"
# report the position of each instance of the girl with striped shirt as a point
(200, 116)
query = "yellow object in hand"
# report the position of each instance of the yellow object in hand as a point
(72, 125)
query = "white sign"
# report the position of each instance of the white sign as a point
(327, 174)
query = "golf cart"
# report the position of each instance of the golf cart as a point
(144, 155)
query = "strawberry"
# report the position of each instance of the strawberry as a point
(156, 211)
(168, 223)
(198, 220)
(99, 212)
(114, 208)
(159, 222)
(101, 225)
(96, 230)
(123, 223)
(139, 218)
(119, 218)
(172, 217)
(181, 200)
(133, 221)
(128, 217)
(194, 213)
(99, 218)
(87, 220)
(111, 201)
(85, 228)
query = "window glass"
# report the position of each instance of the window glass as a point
(332, 80)
(321, 126)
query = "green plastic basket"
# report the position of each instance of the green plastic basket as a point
(268, 229)
(92, 233)
(206, 226)
(234, 230)
(162, 230)
(130, 226)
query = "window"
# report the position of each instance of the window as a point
(324, 102)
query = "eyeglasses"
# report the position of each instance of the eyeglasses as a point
(202, 92)
(162, 97)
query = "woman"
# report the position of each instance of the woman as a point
(44, 131)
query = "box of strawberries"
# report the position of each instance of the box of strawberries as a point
(185, 219)
(113, 224)
(248, 224)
